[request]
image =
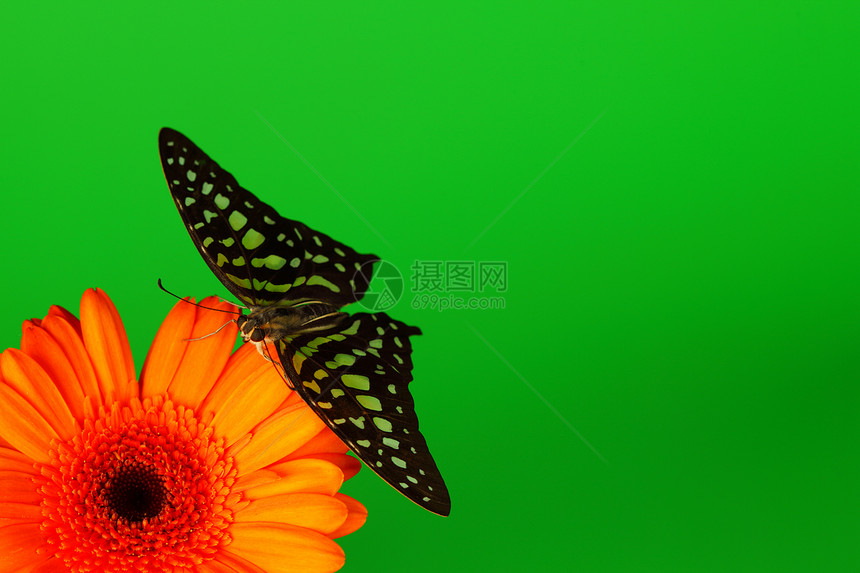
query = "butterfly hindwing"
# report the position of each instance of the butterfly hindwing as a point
(356, 379)
(261, 257)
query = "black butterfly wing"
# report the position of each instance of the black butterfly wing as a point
(261, 257)
(356, 379)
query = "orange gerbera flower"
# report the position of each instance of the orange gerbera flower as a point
(209, 463)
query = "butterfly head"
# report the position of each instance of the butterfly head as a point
(250, 330)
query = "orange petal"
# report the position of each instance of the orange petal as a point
(277, 437)
(299, 476)
(324, 442)
(356, 518)
(235, 563)
(204, 360)
(24, 512)
(18, 544)
(255, 479)
(278, 547)
(27, 378)
(38, 344)
(13, 460)
(107, 344)
(18, 487)
(292, 398)
(247, 392)
(70, 341)
(347, 464)
(50, 565)
(59, 311)
(315, 511)
(167, 349)
(23, 426)
(215, 566)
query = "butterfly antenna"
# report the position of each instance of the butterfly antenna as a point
(161, 286)
(220, 328)
(233, 303)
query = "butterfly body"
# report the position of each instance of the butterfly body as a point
(267, 324)
(273, 323)
(353, 370)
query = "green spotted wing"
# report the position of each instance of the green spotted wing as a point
(261, 257)
(356, 379)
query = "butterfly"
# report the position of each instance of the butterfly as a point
(353, 370)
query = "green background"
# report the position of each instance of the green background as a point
(674, 189)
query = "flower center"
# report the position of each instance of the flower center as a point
(135, 493)
(144, 487)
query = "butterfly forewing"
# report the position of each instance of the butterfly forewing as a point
(261, 257)
(356, 379)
